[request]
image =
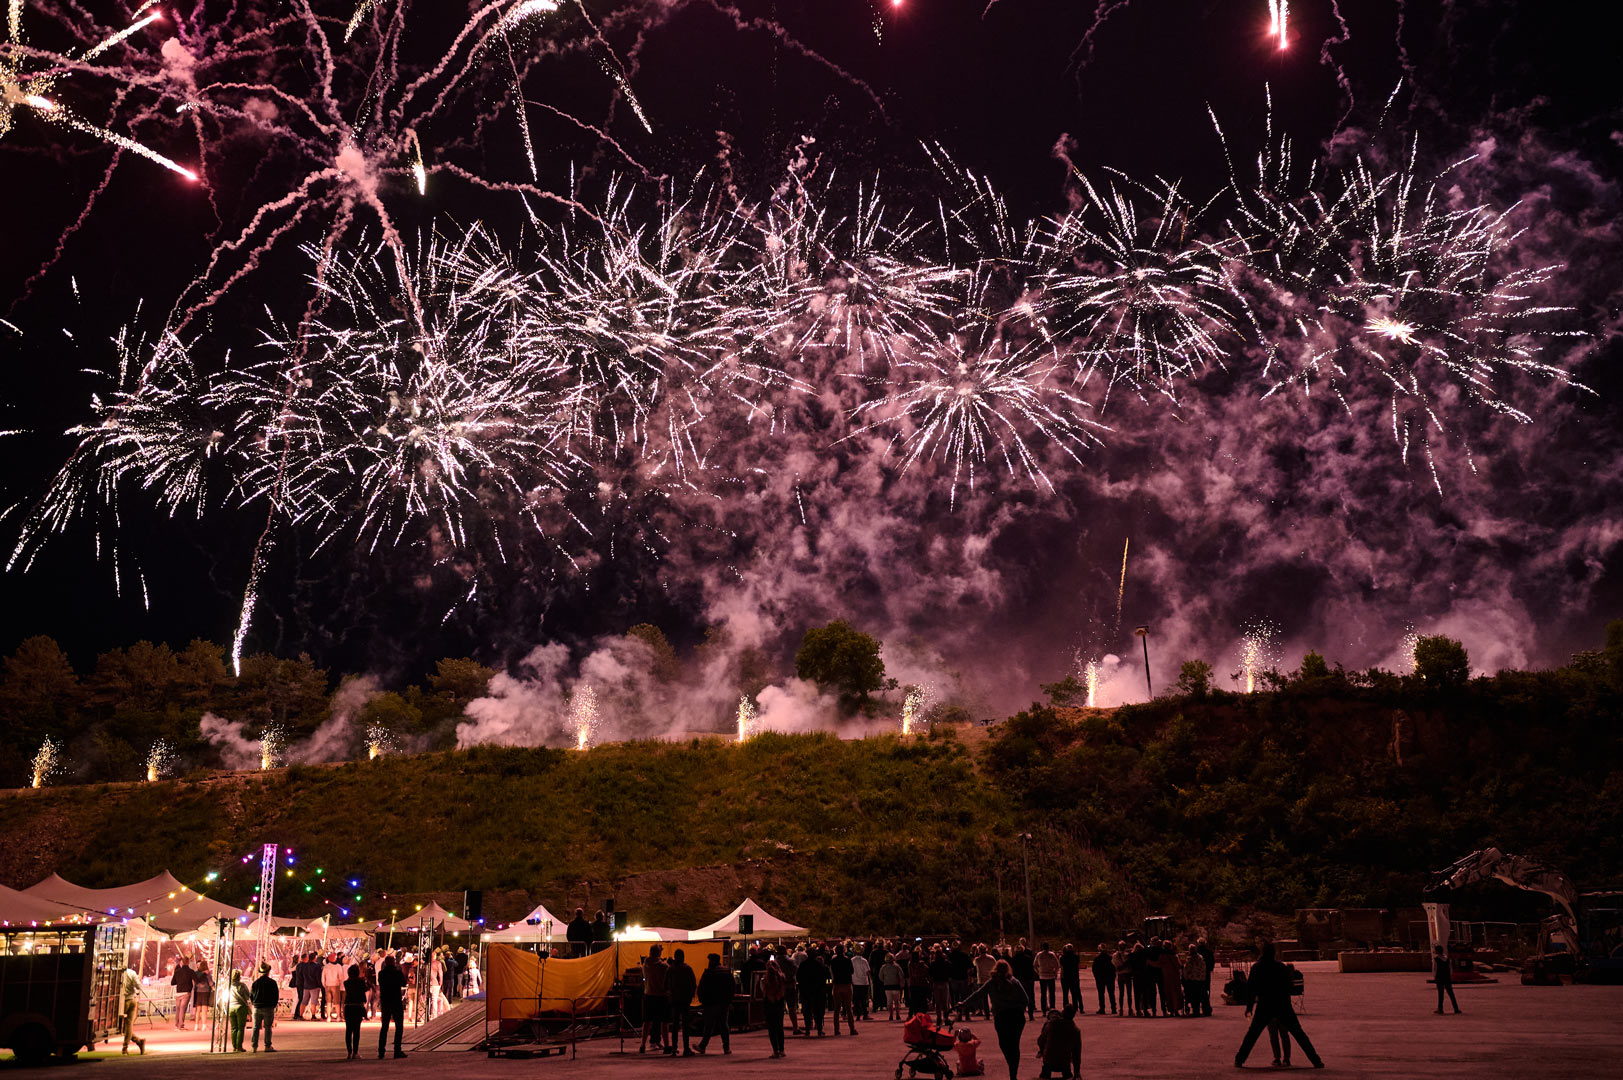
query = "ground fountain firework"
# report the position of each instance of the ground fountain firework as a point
(746, 719)
(379, 741)
(272, 747)
(1258, 653)
(47, 762)
(583, 716)
(160, 759)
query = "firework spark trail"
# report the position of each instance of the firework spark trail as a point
(47, 761)
(1121, 588)
(583, 716)
(1279, 21)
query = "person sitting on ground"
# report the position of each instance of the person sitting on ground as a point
(965, 1043)
(1060, 1045)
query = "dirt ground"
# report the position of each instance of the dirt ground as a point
(1362, 1025)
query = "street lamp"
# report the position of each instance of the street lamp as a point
(1144, 633)
(1025, 864)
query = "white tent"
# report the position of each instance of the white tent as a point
(438, 918)
(20, 908)
(766, 925)
(532, 928)
(652, 933)
(161, 900)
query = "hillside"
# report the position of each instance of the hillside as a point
(1318, 793)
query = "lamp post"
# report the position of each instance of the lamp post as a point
(1144, 633)
(1025, 864)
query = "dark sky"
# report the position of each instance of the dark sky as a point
(996, 85)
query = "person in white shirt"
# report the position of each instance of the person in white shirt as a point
(861, 982)
(332, 988)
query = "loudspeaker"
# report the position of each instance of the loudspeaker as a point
(473, 905)
(746, 924)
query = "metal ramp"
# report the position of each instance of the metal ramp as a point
(461, 1027)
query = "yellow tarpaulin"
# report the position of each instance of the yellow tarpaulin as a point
(520, 983)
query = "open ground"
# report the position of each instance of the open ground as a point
(1362, 1025)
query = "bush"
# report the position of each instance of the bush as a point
(1195, 678)
(1441, 662)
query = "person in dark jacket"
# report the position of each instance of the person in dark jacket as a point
(1024, 965)
(774, 993)
(681, 984)
(1060, 1045)
(354, 1010)
(1443, 976)
(1010, 1003)
(1138, 962)
(1104, 979)
(579, 934)
(182, 980)
(812, 978)
(1205, 949)
(264, 994)
(1270, 986)
(839, 973)
(1070, 978)
(391, 1004)
(716, 991)
(602, 933)
(655, 998)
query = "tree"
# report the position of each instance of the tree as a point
(1441, 661)
(1313, 667)
(843, 658)
(667, 668)
(1614, 649)
(1195, 678)
(1068, 691)
(461, 680)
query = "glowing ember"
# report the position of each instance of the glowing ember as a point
(583, 716)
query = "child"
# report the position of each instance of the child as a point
(968, 1063)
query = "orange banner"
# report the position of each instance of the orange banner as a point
(520, 983)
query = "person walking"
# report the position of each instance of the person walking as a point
(129, 1001)
(812, 977)
(680, 986)
(774, 992)
(263, 995)
(655, 999)
(391, 1004)
(1009, 1003)
(1443, 975)
(1124, 978)
(1270, 985)
(182, 979)
(716, 991)
(237, 1012)
(1046, 964)
(840, 973)
(890, 980)
(354, 990)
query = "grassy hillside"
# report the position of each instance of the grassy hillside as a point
(1319, 793)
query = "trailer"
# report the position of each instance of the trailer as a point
(59, 988)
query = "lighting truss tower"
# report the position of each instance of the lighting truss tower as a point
(267, 896)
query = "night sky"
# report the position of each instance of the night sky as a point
(1238, 508)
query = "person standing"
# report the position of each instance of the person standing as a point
(1124, 978)
(715, 1002)
(369, 973)
(985, 962)
(918, 982)
(182, 980)
(1046, 963)
(1024, 966)
(774, 992)
(332, 987)
(1070, 978)
(129, 1000)
(861, 983)
(1009, 1003)
(963, 971)
(1194, 980)
(1205, 949)
(202, 994)
(1270, 986)
(354, 990)
(890, 981)
(1443, 975)
(263, 995)
(1104, 979)
(1171, 981)
(579, 934)
(812, 978)
(655, 998)
(941, 987)
(1144, 975)
(307, 981)
(391, 1004)
(680, 986)
(237, 1015)
(602, 934)
(840, 973)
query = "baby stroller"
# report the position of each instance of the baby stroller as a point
(925, 1044)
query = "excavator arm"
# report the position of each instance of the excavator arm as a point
(1519, 872)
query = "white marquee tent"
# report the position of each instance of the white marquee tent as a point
(766, 925)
